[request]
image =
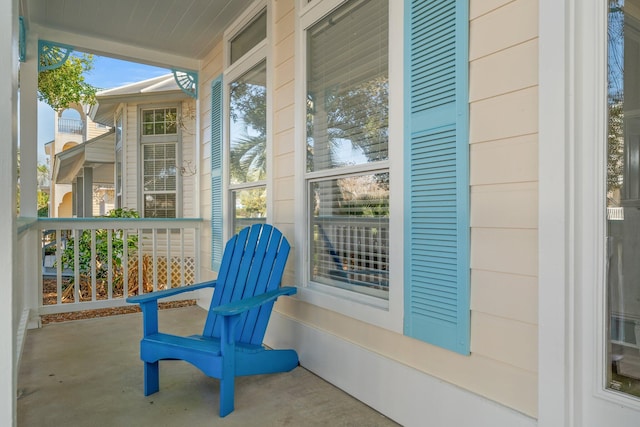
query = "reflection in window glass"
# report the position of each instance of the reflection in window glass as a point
(623, 198)
(160, 121)
(348, 86)
(247, 147)
(249, 207)
(350, 233)
(347, 125)
(248, 126)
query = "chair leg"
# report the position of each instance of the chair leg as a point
(151, 378)
(227, 388)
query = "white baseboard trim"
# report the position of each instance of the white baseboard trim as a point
(401, 393)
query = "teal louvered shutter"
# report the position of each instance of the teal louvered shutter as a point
(216, 173)
(436, 177)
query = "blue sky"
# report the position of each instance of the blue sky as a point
(107, 73)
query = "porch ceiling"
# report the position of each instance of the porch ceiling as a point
(184, 28)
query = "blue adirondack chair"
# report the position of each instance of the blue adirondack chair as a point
(231, 344)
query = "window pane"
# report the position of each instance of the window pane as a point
(347, 86)
(249, 37)
(160, 206)
(623, 198)
(159, 121)
(249, 207)
(248, 126)
(350, 233)
(159, 180)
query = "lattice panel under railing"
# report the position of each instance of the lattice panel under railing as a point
(183, 272)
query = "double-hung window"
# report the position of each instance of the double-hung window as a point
(159, 148)
(347, 148)
(246, 88)
(247, 147)
(403, 256)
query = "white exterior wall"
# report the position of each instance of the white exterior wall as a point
(130, 159)
(499, 379)
(93, 129)
(283, 151)
(503, 91)
(411, 381)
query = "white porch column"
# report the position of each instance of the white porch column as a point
(8, 151)
(32, 274)
(29, 131)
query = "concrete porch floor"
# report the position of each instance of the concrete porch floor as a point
(88, 373)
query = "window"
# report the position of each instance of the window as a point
(159, 145)
(247, 118)
(159, 121)
(248, 38)
(247, 151)
(347, 171)
(623, 198)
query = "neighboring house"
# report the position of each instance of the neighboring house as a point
(440, 169)
(80, 155)
(153, 149)
(142, 159)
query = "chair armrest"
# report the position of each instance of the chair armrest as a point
(154, 296)
(239, 307)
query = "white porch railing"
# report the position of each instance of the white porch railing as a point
(74, 126)
(90, 263)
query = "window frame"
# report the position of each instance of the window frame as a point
(159, 139)
(387, 314)
(249, 15)
(572, 200)
(252, 58)
(603, 313)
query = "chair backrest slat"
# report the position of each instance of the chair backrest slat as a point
(253, 263)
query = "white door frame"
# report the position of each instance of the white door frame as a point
(572, 129)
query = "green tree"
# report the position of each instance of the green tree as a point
(66, 84)
(42, 197)
(247, 159)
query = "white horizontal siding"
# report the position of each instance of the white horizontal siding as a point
(504, 188)
(503, 363)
